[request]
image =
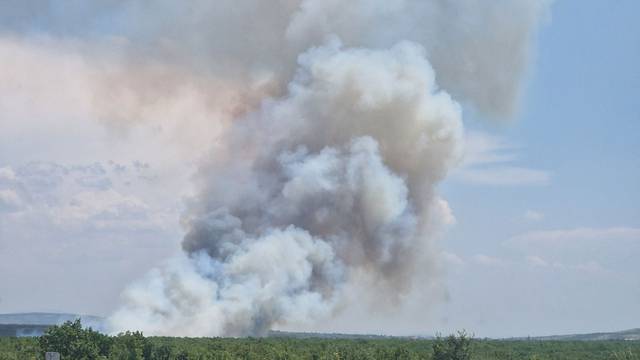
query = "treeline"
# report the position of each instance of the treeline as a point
(74, 342)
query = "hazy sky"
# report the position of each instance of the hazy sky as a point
(547, 218)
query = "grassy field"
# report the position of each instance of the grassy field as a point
(287, 348)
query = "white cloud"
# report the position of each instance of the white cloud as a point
(452, 259)
(533, 261)
(87, 196)
(558, 237)
(489, 160)
(591, 267)
(504, 175)
(7, 174)
(536, 261)
(106, 210)
(532, 215)
(9, 201)
(486, 149)
(590, 250)
(486, 260)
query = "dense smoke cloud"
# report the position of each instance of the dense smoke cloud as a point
(333, 123)
(312, 186)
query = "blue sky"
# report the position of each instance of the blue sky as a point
(579, 123)
(546, 204)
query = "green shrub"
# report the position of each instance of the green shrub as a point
(74, 342)
(624, 355)
(131, 346)
(452, 347)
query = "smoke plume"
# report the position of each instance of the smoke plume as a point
(335, 121)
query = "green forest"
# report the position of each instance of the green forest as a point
(73, 341)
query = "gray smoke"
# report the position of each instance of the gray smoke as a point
(308, 189)
(335, 134)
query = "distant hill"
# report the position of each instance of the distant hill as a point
(38, 318)
(630, 335)
(34, 324)
(16, 330)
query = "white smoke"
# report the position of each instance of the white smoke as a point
(328, 135)
(311, 186)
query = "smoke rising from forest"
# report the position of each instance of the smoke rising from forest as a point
(334, 123)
